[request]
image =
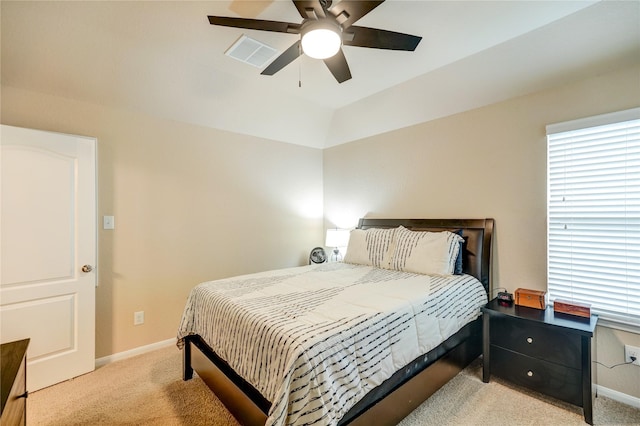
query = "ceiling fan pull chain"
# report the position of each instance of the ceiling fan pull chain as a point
(300, 67)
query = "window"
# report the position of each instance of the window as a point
(593, 214)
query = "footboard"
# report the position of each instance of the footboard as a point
(387, 404)
(242, 400)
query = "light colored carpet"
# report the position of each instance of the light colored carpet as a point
(148, 390)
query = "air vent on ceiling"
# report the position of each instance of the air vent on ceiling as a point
(251, 52)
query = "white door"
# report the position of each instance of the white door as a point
(48, 233)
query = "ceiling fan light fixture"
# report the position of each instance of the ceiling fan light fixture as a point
(321, 39)
(324, 29)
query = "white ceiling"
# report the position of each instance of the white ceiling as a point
(163, 58)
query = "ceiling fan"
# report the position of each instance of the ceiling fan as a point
(324, 29)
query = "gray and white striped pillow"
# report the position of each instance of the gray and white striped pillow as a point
(371, 247)
(425, 252)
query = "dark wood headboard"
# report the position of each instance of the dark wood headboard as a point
(477, 233)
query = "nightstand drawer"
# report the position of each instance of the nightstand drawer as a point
(536, 341)
(545, 377)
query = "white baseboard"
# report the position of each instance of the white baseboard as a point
(618, 396)
(100, 362)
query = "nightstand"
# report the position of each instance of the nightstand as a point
(546, 352)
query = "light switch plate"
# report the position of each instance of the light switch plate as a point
(138, 318)
(108, 222)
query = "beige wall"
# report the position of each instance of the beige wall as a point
(609, 350)
(190, 204)
(489, 162)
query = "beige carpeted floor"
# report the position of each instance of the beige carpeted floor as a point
(148, 390)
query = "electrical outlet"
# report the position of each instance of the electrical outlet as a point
(632, 351)
(138, 318)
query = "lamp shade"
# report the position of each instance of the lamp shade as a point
(320, 39)
(337, 238)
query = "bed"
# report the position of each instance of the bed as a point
(323, 375)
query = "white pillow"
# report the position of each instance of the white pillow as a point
(371, 247)
(425, 252)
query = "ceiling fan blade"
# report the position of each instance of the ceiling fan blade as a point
(338, 66)
(283, 60)
(309, 9)
(379, 39)
(255, 24)
(348, 12)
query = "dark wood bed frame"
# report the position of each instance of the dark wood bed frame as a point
(404, 391)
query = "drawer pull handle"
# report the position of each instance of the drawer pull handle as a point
(529, 340)
(24, 395)
(530, 373)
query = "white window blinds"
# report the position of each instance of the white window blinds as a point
(593, 209)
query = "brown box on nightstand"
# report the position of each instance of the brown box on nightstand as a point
(531, 298)
(572, 308)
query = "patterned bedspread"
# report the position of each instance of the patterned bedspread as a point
(315, 339)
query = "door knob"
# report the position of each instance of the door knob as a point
(87, 268)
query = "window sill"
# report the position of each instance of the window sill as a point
(630, 328)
